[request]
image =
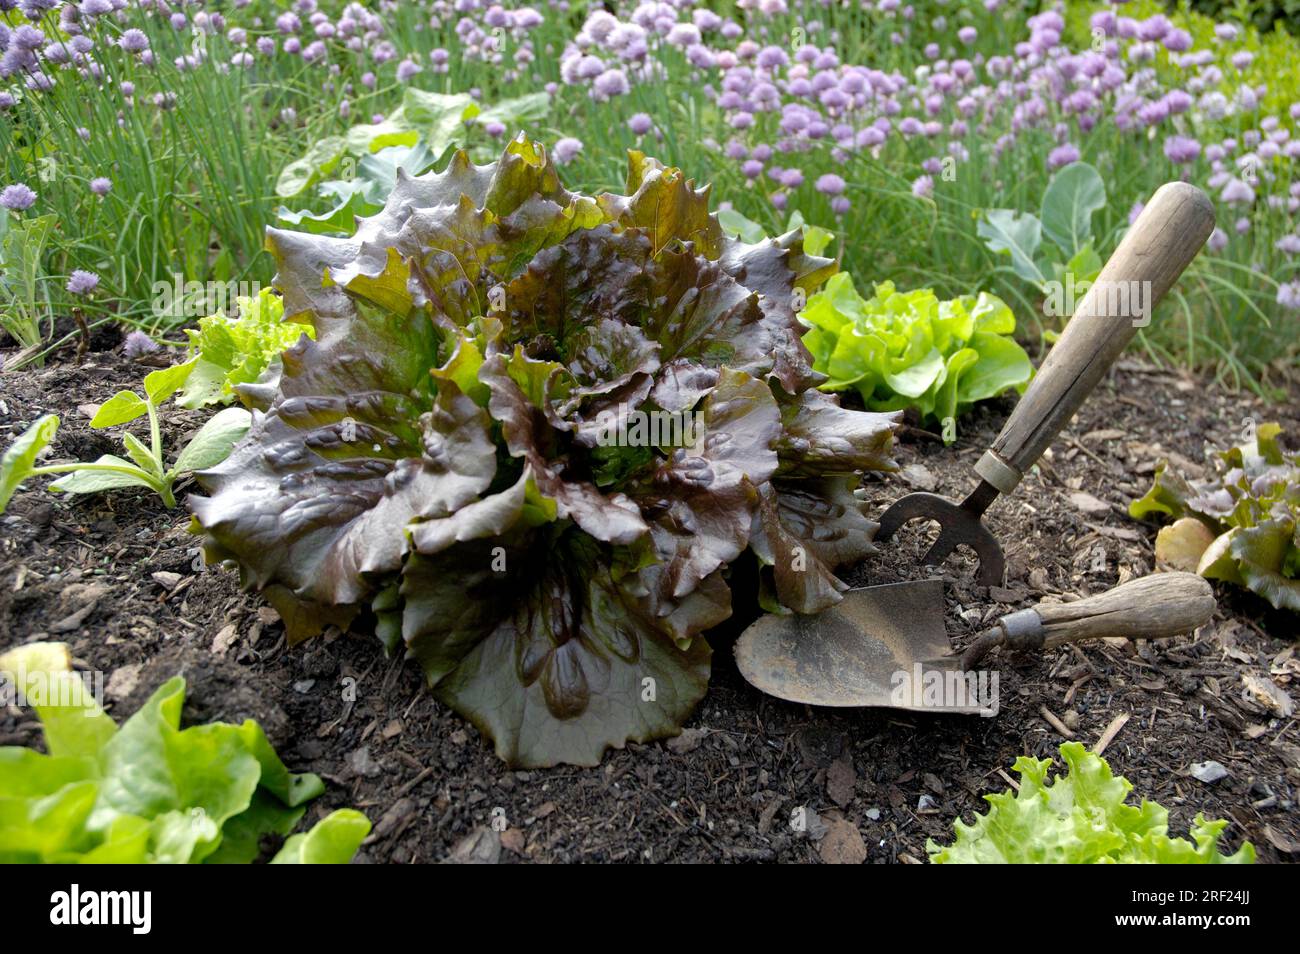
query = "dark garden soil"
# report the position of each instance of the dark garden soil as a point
(114, 576)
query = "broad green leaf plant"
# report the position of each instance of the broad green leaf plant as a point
(146, 466)
(1080, 817)
(1074, 194)
(149, 792)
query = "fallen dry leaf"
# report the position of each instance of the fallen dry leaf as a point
(1266, 693)
(842, 844)
(224, 639)
(840, 780)
(688, 741)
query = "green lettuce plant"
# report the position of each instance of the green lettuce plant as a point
(462, 456)
(149, 791)
(1251, 508)
(909, 349)
(1081, 817)
(227, 353)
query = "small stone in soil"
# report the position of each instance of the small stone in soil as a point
(1088, 504)
(482, 846)
(166, 579)
(123, 681)
(361, 762)
(919, 476)
(1208, 772)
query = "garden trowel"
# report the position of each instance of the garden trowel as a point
(841, 653)
(885, 645)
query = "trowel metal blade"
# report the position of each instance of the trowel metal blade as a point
(874, 648)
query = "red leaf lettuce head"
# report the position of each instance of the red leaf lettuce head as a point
(532, 430)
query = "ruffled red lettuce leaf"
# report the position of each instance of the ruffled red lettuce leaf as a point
(317, 498)
(819, 437)
(700, 501)
(805, 529)
(552, 650)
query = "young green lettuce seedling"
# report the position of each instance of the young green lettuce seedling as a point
(146, 467)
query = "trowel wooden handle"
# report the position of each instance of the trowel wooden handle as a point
(1165, 238)
(1154, 607)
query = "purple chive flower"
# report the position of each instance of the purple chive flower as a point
(1217, 241)
(1288, 295)
(406, 69)
(610, 83)
(830, 184)
(495, 129)
(81, 282)
(101, 185)
(967, 35)
(133, 41)
(567, 149)
(1290, 244)
(27, 38)
(138, 344)
(35, 9)
(640, 123)
(1062, 155)
(1134, 212)
(1237, 191)
(923, 187)
(840, 205)
(95, 8)
(17, 197)
(1181, 150)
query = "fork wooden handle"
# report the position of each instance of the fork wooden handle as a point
(1161, 243)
